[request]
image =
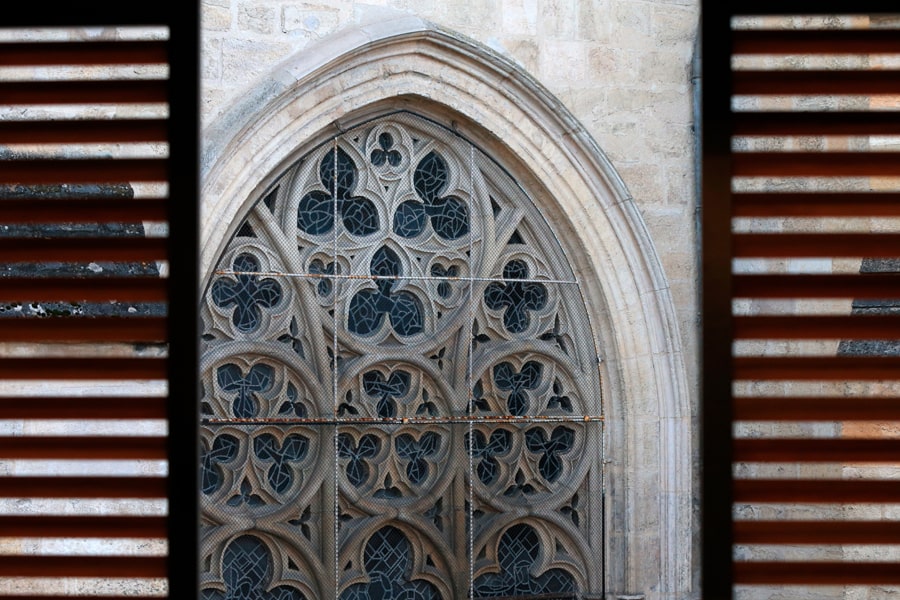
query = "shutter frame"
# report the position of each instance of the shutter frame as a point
(179, 329)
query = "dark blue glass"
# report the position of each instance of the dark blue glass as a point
(315, 213)
(224, 449)
(388, 562)
(356, 455)
(232, 380)
(507, 379)
(518, 554)
(484, 452)
(247, 571)
(561, 441)
(416, 454)
(396, 386)
(247, 294)
(294, 449)
(517, 297)
(369, 307)
(449, 215)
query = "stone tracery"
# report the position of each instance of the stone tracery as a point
(428, 307)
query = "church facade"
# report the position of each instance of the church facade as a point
(449, 299)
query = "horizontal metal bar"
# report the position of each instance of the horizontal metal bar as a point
(445, 420)
(338, 276)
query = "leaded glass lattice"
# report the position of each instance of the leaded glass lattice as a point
(400, 389)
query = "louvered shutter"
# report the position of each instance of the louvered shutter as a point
(800, 290)
(98, 326)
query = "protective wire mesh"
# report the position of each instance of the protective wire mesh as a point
(401, 396)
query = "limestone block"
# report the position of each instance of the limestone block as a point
(256, 18)
(558, 19)
(562, 61)
(310, 19)
(215, 17)
(520, 16)
(524, 51)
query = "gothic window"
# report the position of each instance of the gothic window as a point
(400, 388)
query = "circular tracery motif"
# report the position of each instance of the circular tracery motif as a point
(394, 318)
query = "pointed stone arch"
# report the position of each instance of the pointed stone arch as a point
(408, 64)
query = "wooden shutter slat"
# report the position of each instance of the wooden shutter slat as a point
(815, 123)
(128, 91)
(83, 210)
(816, 368)
(864, 286)
(83, 526)
(84, 329)
(815, 164)
(811, 41)
(797, 245)
(83, 368)
(816, 532)
(809, 82)
(80, 249)
(788, 327)
(83, 131)
(83, 566)
(809, 408)
(810, 204)
(83, 408)
(83, 447)
(819, 573)
(85, 170)
(68, 597)
(83, 289)
(817, 450)
(84, 487)
(34, 54)
(816, 491)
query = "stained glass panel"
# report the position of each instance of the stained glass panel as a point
(401, 398)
